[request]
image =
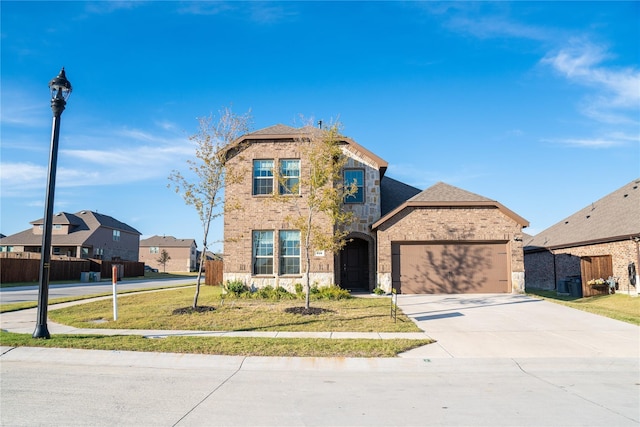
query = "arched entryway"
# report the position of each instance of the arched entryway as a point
(354, 265)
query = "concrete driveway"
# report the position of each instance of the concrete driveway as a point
(514, 326)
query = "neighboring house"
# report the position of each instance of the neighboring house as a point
(84, 234)
(600, 240)
(441, 240)
(183, 253)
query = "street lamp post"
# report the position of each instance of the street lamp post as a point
(60, 91)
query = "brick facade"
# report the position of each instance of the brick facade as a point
(451, 225)
(247, 213)
(482, 221)
(182, 258)
(542, 273)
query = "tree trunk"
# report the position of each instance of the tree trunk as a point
(203, 257)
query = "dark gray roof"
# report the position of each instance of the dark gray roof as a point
(278, 129)
(394, 193)
(84, 224)
(167, 242)
(613, 217)
(442, 192)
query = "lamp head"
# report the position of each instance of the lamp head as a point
(60, 87)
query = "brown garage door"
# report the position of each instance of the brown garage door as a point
(421, 268)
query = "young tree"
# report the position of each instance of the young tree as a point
(163, 259)
(203, 189)
(323, 191)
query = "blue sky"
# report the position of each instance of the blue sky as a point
(536, 105)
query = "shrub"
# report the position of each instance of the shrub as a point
(299, 289)
(379, 291)
(236, 287)
(332, 292)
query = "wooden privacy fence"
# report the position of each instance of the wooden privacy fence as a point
(213, 272)
(125, 268)
(595, 267)
(28, 270)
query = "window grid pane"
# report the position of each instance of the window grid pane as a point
(289, 252)
(290, 173)
(263, 252)
(357, 176)
(262, 177)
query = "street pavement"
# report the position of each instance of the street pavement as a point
(30, 293)
(499, 360)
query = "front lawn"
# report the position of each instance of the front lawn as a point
(618, 306)
(155, 310)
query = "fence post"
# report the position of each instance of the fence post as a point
(114, 281)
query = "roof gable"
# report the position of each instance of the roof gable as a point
(616, 216)
(285, 133)
(445, 195)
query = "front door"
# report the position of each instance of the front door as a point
(355, 266)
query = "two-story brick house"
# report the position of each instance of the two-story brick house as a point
(85, 234)
(183, 253)
(262, 249)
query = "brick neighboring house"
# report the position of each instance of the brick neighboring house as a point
(601, 239)
(399, 237)
(85, 234)
(183, 253)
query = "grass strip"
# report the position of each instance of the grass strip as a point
(618, 306)
(228, 346)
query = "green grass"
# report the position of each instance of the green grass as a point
(618, 306)
(154, 310)
(230, 346)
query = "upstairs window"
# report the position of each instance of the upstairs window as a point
(154, 250)
(289, 177)
(356, 176)
(289, 252)
(116, 235)
(262, 252)
(262, 177)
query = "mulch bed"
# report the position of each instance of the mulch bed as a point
(190, 310)
(307, 311)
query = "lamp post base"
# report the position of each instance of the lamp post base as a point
(41, 332)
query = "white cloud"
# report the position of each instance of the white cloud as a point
(614, 139)
(617, 90)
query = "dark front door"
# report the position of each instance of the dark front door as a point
(355, 265)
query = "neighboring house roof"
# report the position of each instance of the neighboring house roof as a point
(288, 133)
(614, 217)
(167, 242)
(84, 222)
(394, 193)
(445, 195)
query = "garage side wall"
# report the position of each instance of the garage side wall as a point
(540, 268)
(425, 224)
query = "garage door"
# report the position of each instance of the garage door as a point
(426, 268)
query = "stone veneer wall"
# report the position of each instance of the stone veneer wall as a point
(451, 224)
(539, 265)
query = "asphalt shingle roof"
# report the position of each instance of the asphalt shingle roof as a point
(616, 216)
(394, 193)
(84, 222)
(167, 242)
(442, 192)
